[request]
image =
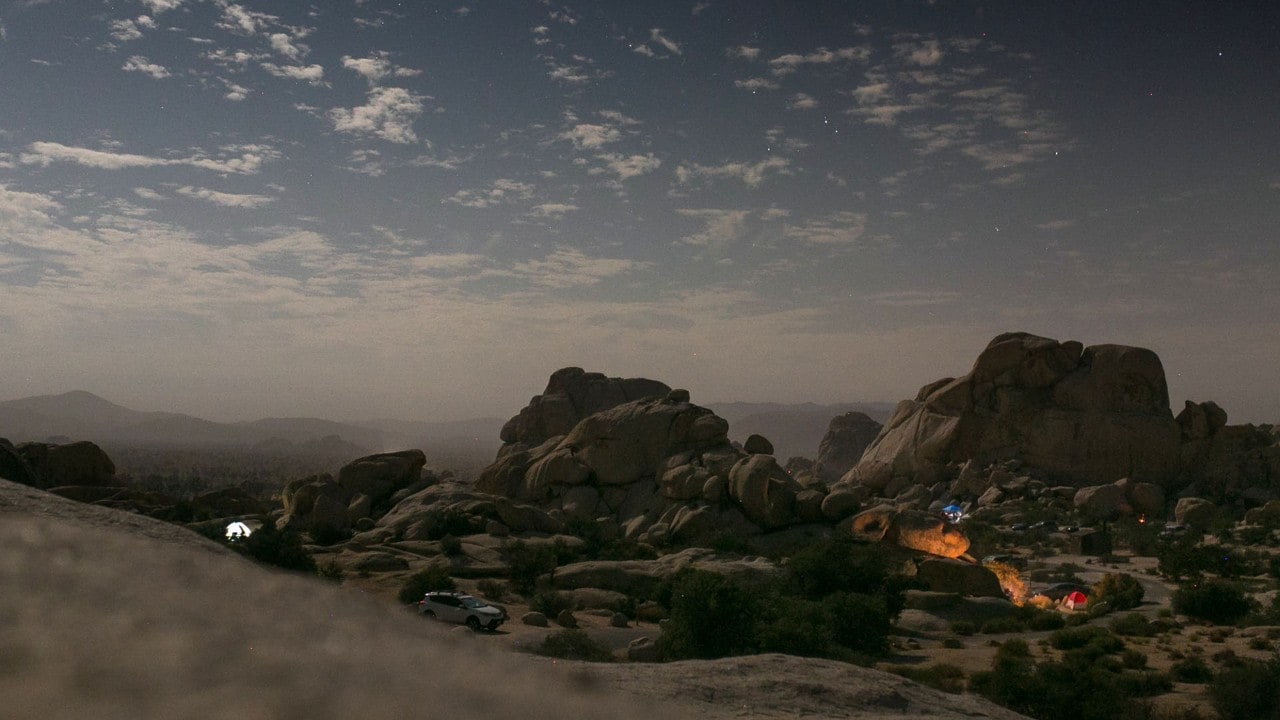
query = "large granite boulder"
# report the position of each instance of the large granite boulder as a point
(76, 463)
(1083, 416)
(766, 492)
(317, 503)
(963, 578)
(1228, 463)
(912, 529)
(847, 438)
(379, 476)
(13, 466)
(571, 395)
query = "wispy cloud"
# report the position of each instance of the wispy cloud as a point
(234, 200)
(791, 62)
(140, 64)
(721, 228)
(313, 74)
(376, 67)
(591, 136)
(750, 174)
(389, 114)
(249, 161)
(838, 229)
(503, 191)
(554, 209)
(629, 166)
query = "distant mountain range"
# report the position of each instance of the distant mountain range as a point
(794, 429)
(81, 415)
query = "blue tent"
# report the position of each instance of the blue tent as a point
(953, 512)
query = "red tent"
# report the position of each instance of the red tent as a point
(1075, 600)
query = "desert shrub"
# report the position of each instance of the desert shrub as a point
(281, 548)
(727, 542)
(527, 563)
(963, 627)
(1259, 643)
(451, 545)
(573, 645)
(1075, 638)
(952, 643)
(796, 626)
(838, 565)
(1132, 659)
(1040, 620)
(942, 676)
(551, 603)
(1191, 670)
(1121, 591)
(1145, 683)
(861, 623)
(1133, 625)
(331, 571)
(1216, 601)
(1185, 557)
(711, 616)
(492, 589)
(1248, 691)
(423, 582)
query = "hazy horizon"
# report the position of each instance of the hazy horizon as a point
(239, 210)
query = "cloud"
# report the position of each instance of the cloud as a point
(925, 52)
(751, 174)
(503, 191)
(554, 209)
(147, 194)
(389, 114)
(629, 166)
(138, 63)
(376, 67)
(159, 6)
(655, 35)
(838, 229)
(744, 52)
(225, 199)
(245, 22)
(567, 268)
(283, 44)
(125, 30)
(249, 162)
(791, 62)
(915, 298)
(756, 83)
(235, 92)
(313, 74)
(721, 228)
(801, 101)
(591, 136)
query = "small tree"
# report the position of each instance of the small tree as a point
(1216, 601)
(425, 581)
(1120, 591)
(1248, 691)
(528, 563)
(711, 616)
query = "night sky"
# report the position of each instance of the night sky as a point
(420, 210)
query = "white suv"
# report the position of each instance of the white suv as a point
(461, 608)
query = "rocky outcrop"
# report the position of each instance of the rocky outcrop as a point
(13, 466)
(640, 578)
(364, 489)
(378, 477)
(1121, 498)
(848, 436)
(1083, 416)
(1230, 464)
(76, 463)
(910, 529)
(655, 469)
(962, 578)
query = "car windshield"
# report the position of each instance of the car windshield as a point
(471, 602)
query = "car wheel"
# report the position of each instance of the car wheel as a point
(473, 622)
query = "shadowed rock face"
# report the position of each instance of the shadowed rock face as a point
(1085, 416)
(847, 438)
(571, 395)
(76, 463)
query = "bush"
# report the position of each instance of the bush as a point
(963, 627)
(528, 563)
(451, 545)
(1247, 691)
(551, 603)
(573, 645)
(711, 616)
(861, 623)
(1076, 638)
(1191, 670)
(942, 676)
(1215, 601)
(795, 626)
(423, 582)
(1133, 625)
(331, 571)
(281, 548)
(1121, 591)
(492, 589)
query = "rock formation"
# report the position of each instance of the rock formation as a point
(910, 529)
(364, 489)
(1083, 416)
(847, 438)
(76, 463)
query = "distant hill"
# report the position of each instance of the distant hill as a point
(794, 429)
(81, 415)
